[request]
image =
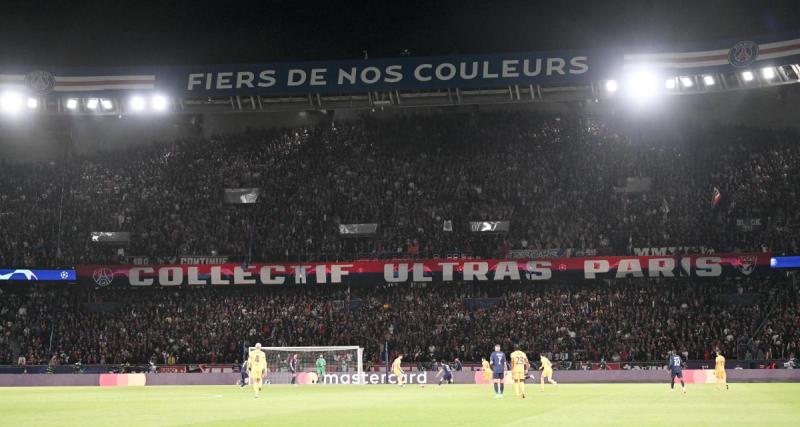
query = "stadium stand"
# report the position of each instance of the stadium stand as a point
(560, 181)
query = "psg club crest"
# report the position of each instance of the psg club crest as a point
(40, 81)
(747, 264)
(103, 276)
(743, 53)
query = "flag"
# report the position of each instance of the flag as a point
(715, 198)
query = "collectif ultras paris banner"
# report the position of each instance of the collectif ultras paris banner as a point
(431, 271)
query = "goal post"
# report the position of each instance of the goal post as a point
(339, 360)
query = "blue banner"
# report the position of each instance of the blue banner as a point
(37, 275)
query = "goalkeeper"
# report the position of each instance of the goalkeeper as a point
(320, 365)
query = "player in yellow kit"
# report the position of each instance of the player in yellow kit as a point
(397, 370)
(487, 369)
(519, 367)
(719, 370)
(547, 370)
(257, 366)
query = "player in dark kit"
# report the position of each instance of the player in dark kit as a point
(446, 373)
(293, 364)
(499, 365)
(676, 369)
(243, 373)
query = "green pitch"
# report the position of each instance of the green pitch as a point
(469, 405)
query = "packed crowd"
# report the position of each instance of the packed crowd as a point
(634, 320)
(560, 181)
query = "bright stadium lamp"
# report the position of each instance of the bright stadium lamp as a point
(768, 73)
(32, 103)
(747, 76)
(106, 104)
(642, 85)
(10, 102)
(670, 84)
(137, 103)
(72, 104)
(686, 81)
(708, 80)
(92, 103)
(611, 86)
(159, 102)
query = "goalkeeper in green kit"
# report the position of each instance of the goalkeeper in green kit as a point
(320, 364)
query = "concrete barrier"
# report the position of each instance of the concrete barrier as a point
(462, 377)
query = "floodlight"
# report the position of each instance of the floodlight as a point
(642, 85)
(747, 76)
(670, 84)
(92, 103)
(137, 103)
(10, 102)
(159, 102)
(106, 104)
(768, 73)
(33, 103)
(686, 81)
(611, 86)
(708, 80)
(72, 104)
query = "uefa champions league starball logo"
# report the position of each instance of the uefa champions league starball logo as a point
(743, 53)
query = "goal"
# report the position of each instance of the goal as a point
(340, 361)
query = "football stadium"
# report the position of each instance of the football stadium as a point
(406, 214)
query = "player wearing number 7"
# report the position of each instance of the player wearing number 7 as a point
(519, 366)
(257, 365)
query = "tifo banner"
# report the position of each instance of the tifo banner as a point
(495, 270)
(582, 66)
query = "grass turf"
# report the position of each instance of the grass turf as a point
(370, 405)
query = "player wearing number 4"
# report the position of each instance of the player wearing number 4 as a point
(257, 365)
(547, 371)
(519, 367)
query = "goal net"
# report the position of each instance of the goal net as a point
(339, 361)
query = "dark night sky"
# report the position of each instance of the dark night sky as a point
(172, 32)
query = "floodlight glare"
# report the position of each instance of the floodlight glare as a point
(72, 104)
(137, 103)
(747, 76)
(10, 102)
(708, 80)
(92, 104)
(768, 73)
(670, 84)
(642, 85)
(33, 103)
(687, 81)
(106, 104)
(611, 86)
(159, 102)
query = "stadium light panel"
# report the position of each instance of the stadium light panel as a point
(686, 81)
(32, 103)
(106, 104)
(159, 102)
(747, 76)
(642, 85)
(92, 104)
(72, 104)
(611, 86)
(768, 73)
(137, 103)
(708, 80)
(670, 84)
(10, 102)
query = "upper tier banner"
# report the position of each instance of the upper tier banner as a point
(580, 66)
(438, 271)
